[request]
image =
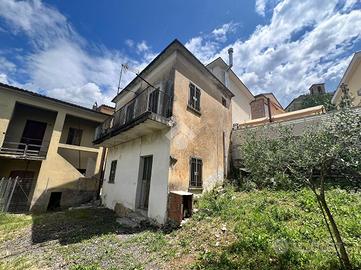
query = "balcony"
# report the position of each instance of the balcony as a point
(147, 112)
(26, 149)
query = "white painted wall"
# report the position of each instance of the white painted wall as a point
(124, 188)
(241, 109)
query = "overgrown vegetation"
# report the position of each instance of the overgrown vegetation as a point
(319, 99)
(266, 229)
(328, 154)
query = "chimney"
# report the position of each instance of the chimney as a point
(230, 58)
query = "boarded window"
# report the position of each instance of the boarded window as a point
(113, 168)
(74, 136)
(196, 172)
(194, 97)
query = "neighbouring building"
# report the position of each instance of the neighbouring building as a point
(298, 102)
(47, 143)
(169, 137)
(352, 79)
(241, 108)
(265, 105)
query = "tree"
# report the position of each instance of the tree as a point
(320, 156)
(319, 99)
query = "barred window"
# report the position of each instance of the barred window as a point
(196, 172)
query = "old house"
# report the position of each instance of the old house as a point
(169, 137)
(351, 78)
(47, 144)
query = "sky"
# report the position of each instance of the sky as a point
(73, 50)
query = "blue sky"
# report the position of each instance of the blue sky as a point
(73, 50)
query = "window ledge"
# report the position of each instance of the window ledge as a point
(195, 189)
(193, 110)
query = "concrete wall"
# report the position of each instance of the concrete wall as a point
(86, 126)
(196, 135)
(124, 188)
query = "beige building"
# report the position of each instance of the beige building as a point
(169, 137)
(47, 143)
(352, 78)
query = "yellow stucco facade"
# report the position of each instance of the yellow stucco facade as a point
(352, 78)
(55, 170)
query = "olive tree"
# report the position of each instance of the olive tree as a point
(323, 154)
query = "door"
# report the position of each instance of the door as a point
(146, 173)
(33, 134)
(153, 101)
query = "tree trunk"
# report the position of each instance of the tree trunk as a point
(343, 252)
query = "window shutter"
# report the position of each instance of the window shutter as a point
(198, 99)
(199, 173)
(191, 95)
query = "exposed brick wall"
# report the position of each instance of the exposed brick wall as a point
(258, 108)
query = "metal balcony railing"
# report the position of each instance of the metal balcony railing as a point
(28, 149)
(149, 100)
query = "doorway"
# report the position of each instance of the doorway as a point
(146, 163)
(54, 201)
(33, 134)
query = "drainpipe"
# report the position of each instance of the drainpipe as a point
(269, 109)
(102, 163)
(230, 65)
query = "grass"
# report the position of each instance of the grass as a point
(231, 230)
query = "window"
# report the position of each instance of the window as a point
(129, 114)
(224, 102)
(194, 97)
(113, 168)
(74, 136)
(196, 172)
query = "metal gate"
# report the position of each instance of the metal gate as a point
(15, 193)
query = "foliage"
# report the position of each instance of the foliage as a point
(276, 229)
(278, 159)
(319, 99)
(321, 155)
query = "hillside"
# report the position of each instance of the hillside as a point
(231, 230)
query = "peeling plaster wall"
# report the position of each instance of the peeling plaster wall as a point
(124, 188)
(198, 135)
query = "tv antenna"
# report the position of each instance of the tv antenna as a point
(126, 67)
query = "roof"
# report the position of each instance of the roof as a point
(286, 116)
(220, 59)
(27, 92)
(354, 61)
(173, 46)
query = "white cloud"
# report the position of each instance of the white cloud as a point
(142, 47)
(261, 7)
(4, 78)
(221, 33)
(62, 64)
(304, 42)
(272, 59)
(129, 43)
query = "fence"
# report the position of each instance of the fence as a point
(15, 193)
